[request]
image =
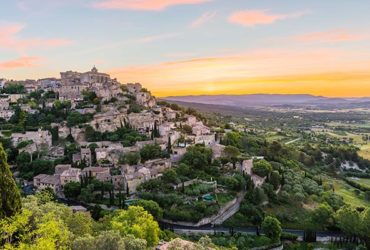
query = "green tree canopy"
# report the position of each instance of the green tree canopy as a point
(138, 222)
(262, 168)
(152, 207)
(10, 198)
(272, 228)
(131, 158)
(150, 151)
(322, 215)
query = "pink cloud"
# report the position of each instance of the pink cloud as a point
(331, 36)
(22, 62)
(252, 18)
(148, 5)
(9, 39)
(205, 18)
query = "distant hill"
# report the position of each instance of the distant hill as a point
(266, 100)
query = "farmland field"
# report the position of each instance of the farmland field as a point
(362, 181)
(349, 195)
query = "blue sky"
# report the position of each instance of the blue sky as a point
(215, 46)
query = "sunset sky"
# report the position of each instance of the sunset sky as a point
(183, 47)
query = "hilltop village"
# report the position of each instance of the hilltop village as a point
(88, 125)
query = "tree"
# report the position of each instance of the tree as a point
(152, 207)
(198, 157)
(75, 118)
(79, 223)
(150, 151)
(348, 220)
(262, 168)
(187, 129)
(232, 153)
(131, 158)
(258, 196)
(232, 139)
(138, 222)
(72, 190)
(35, 230)
(108, 240)
(365, 226)
(169, 176)
(322, 215)
(275, 179)
(10, 198)
(272, 228)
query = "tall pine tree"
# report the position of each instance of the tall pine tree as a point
(10, 198)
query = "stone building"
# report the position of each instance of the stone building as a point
(108, 122)
(70, 175)
(5, 111)
(145, 99)
(134, 88)
(74, 83)
(43, 181)
(40, 138)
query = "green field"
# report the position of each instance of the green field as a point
(348, 193)
(365, 151)
(362, 181)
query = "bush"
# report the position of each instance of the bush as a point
(272, 228)
(289, 236)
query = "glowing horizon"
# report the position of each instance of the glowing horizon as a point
(193, 47)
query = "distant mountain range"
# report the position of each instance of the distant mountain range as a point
(254, 100)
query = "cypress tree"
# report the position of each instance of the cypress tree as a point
(10, 198)
(169, 147)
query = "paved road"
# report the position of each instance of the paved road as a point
(208, 229)
(293, 141)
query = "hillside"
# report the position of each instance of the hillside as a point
(256, 100)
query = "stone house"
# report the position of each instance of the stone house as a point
(143, 122)
(217, 150)
(55, 152)
(135, 175)
(169, 114)
(159, 165)
(40, 138)
(104, 177)
(5, 111)
(93, 171)
(200, 129)
(134, 87)
(43, 181)
(166, 128)
(145, 99)
(207, 140)
(246, 167)
(70, 175)
(60, 168)
(101, 154)
(191, 120)
(177, 153)
(108, 122)
(15, 97)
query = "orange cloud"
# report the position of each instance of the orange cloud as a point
(22, 62)
(331, 36)
(147, 5)
(252, 18)
(204, 18)
(9, 39)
